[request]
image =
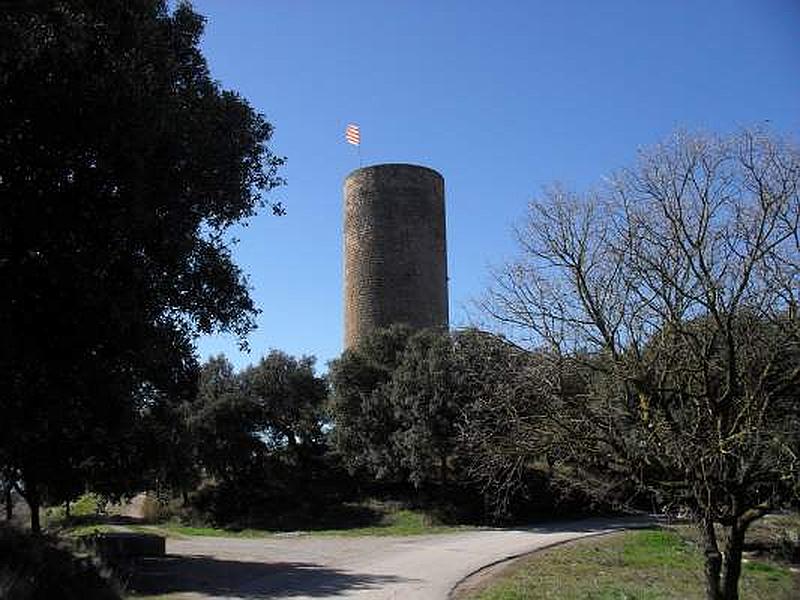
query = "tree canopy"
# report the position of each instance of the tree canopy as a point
(397, 400)
(274, 407)
(291, 400)
(122, 165)
(258, 439)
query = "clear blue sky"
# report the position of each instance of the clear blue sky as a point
(500, 97)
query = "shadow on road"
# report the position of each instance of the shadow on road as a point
(254, 580)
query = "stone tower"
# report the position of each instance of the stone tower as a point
(395, 253)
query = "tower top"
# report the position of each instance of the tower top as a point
(393, 166)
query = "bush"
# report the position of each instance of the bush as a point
(153, 510)
(85, 508)
(277, 495)
(88, 505)
(42, 568)
(787, 546)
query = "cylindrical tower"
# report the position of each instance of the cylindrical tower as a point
(395, 252)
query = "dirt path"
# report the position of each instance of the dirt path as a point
(308, 567)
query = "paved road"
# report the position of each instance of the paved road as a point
(366, 568)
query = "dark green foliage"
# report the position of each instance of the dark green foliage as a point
(291, 400)
(274, 408)
(278, 495)
(258, 434)
(396, 403)
(41, 568)
(442, 414)
(225, 423)
(427, 400)
(364, 418)
(122, 163)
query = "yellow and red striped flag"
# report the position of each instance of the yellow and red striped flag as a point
(352, 134)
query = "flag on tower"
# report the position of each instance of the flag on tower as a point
(352, 134)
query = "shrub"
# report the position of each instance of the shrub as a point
(152, 509)
(787, 546)
(88, 505)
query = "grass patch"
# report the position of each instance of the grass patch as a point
(397, 522)
(385, 519)
(392, 522)
(84, 530)
(173, 529)
(641, 565)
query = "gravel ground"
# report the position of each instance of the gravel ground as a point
(307, 567)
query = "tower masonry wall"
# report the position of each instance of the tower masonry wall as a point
(395, 249)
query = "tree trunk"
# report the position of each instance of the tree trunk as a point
(9, 503)
(185, 496)
(713, 559)
(32, 498)
(732, 567)
(66, 509)
(30, 493)
(443, 469)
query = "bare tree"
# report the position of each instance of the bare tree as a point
(668, 300)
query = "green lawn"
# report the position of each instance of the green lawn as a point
(393, 522)
(640, 565)
(398, 522)
(386, 518)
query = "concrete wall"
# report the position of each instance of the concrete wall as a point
(395, 256)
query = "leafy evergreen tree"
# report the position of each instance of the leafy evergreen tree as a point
(397, 401)
(122, 164)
